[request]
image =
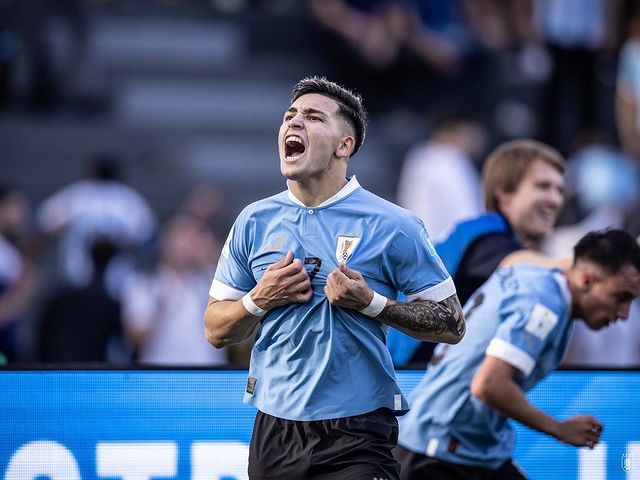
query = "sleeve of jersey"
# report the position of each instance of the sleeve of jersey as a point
(233, 277)
(415, 266)
(522, 335)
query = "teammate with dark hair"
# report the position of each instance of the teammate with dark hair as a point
(519, 324)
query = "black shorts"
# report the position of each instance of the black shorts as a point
(349, 448)
(414, 466)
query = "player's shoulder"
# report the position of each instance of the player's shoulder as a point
(529, 277)
(263, 206)
(528, 285)
(543, 274)
(386, 211)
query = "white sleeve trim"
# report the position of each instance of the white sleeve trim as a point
(511, 354)
(437, 293)
(221, 291)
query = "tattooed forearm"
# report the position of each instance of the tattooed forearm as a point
(425, 320)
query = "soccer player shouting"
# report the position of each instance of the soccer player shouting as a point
(321, 375)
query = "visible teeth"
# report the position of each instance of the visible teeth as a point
(293, 138)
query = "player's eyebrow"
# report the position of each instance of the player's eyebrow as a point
(307, 111)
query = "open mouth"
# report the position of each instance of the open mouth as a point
(293, 147)
(547, 214)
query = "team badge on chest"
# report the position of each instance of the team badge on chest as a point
(345, 247)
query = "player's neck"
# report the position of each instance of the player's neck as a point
(314, 192)
(529, 242)
(575, 290)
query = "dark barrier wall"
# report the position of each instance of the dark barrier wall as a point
(192, 425)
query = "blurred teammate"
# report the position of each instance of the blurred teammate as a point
(519, 324)
(523, 188)
(321, 375)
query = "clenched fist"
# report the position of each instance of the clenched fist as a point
(348, 289)
(285, 281)
(580, 431)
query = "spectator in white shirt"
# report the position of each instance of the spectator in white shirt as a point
(439, 180)
(100, 206)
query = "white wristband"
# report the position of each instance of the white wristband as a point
(376, 306)
(251, 307)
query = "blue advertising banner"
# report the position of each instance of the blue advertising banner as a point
(192, 425)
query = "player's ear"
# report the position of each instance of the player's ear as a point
(345, 147)
(586, 278)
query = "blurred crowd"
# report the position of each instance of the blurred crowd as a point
(129, 287)
(124, 289)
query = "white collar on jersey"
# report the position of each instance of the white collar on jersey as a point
(351, 185)
(561, 280)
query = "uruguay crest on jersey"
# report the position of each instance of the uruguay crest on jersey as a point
(345, 247)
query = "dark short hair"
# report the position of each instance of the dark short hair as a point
(611, 249)
(507, 165)
(349, 103)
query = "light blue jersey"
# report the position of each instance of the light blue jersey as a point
(314, 361)
(520, 315)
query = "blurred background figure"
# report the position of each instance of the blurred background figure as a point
(628, 102)
(580, 37)
(499, 25)
(205, 203)
(377, 30)
(377, 45)
(100, 206)
(603, 185)
(34, 71)
(17, 274)
(415, 48)
(440, 179)
(163, 307)
(628, 87)
(83, 323)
